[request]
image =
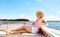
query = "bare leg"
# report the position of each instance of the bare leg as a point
(22, 31)
(15, 32)
(26, 28)
(18, 29)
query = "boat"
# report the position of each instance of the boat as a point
(43, 31)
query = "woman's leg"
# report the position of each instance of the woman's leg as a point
(27, 28)
(21, 31)
(13, 31)
(18, 29)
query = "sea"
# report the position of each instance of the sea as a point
(51, 24)
(54, 25)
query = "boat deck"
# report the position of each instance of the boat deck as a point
(13, 26)
(22, 35)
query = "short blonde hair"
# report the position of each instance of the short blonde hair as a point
(40, 13)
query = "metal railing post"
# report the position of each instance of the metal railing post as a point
(7, 26)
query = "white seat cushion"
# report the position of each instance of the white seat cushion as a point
(2, 32)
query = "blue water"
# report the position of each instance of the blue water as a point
(51, 24)
(54, 24)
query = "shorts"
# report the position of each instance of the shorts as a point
(34, 30)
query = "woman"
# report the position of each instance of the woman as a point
(37, 24)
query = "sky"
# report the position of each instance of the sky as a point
(27, 9)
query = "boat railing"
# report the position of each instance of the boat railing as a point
(51, 32)
(48, 31)
(7, 25)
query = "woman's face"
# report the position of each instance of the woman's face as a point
(38, 15)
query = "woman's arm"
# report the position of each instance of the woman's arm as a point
(45, 23)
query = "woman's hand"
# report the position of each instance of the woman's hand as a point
(45, 24)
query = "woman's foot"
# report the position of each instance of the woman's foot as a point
(12, 32)
(7, 31)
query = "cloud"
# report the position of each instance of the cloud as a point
(2, 18)
(58, 11)
(22, 16)
(7, 18)
(31, 18)
(53, 17)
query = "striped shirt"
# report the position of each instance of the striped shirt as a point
(38, 23)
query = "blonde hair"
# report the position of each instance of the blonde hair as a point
(40, 13)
